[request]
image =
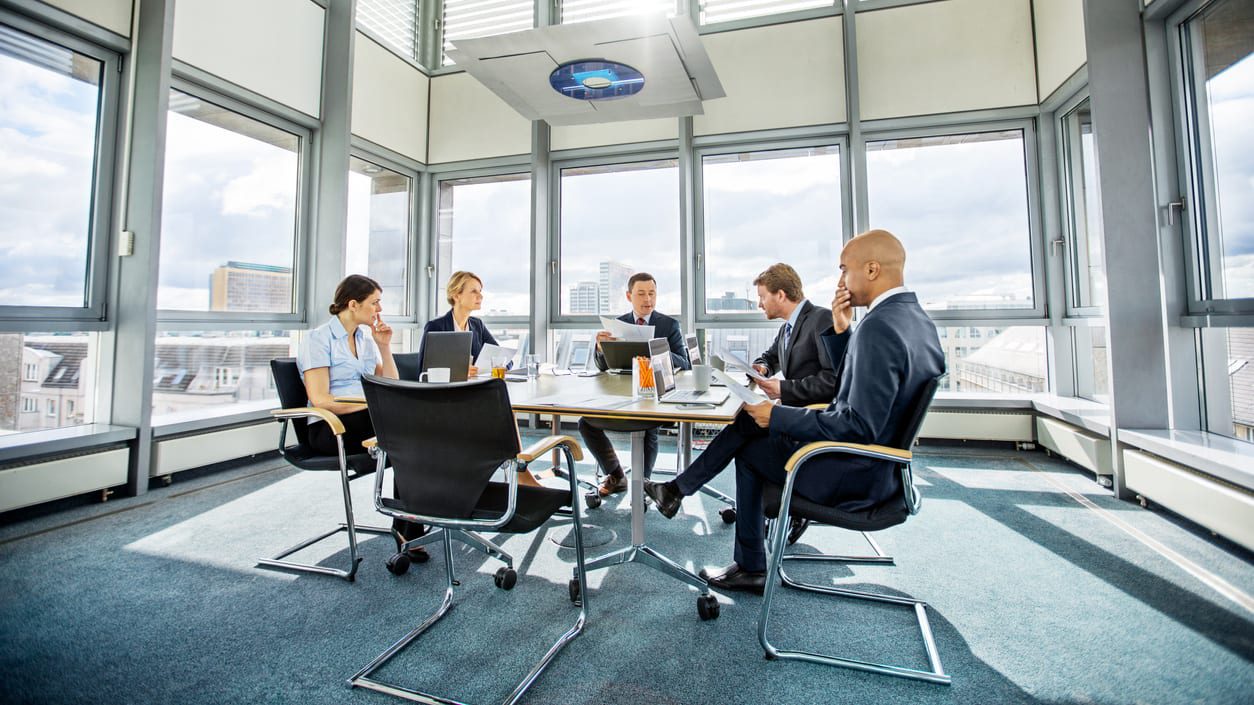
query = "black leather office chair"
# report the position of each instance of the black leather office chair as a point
(407, 366)
(296, 412)
(445, 443)
(781, 502)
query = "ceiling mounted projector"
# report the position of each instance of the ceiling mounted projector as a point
(628, 68)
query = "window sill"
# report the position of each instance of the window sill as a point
(1225, 458)
(1091, 416)
(32, 444)
(198, 420)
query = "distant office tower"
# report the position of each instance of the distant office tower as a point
(729, 302)
(614, 276)
(584, 298)
(244, 286)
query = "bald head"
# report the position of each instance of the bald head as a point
(871, 264)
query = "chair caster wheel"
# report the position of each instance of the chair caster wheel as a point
(398, 564)
(728, 515)
(592, 499)
(505, 578)
(707, 607)
(573, 588)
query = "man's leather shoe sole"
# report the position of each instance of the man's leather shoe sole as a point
(666, 498)
(732, 578)
(612, 485)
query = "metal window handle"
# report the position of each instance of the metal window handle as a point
(430, 271)
(1055, 246)
(1171, 211)
(553, 266)
(698, 260)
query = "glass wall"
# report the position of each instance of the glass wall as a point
(764, 207)
(212, 373)
(997, 360)
(483, 225)
(617, 220)
(377, 243)
(47, 380)
(1241, 381)
(1087, 275)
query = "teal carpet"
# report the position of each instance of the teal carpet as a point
(1034, 597)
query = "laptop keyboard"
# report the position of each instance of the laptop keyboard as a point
(688, 396)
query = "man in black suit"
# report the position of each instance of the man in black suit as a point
(809, 378)
(642, 293)
(884, 363)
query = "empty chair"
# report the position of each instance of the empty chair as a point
(446, 442)
(297, 412)
(781, 502)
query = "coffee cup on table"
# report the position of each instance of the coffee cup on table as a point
(701, 378)
(435, 375)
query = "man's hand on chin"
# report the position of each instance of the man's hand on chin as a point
(761, 412)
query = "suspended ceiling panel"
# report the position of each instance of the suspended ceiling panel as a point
(1059, 42)
(236, 40)
(630, 131)
(470, 122)
(668, 52)
(941, 57)
(389, 100)
(113, 15)
(785, 75)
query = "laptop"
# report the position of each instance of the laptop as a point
(694, 348)
(449, 349)
(619, 353)
(664, 379)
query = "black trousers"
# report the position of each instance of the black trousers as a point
(719, 453)
(597, 443)
(357, 428)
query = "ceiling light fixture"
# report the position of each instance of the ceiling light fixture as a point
(596, 79)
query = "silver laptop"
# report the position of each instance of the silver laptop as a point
(664, 379)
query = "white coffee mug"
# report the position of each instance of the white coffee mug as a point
(701, 378)
(435, 375)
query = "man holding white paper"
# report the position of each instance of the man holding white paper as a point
(642, 294)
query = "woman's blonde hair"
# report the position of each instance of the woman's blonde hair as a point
(457, 282)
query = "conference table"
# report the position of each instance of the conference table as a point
(609, 396)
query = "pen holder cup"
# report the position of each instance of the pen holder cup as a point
(642, 379)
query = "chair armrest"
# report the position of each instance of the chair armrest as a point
(544, 445)
(370, 443)
(816, 407)
(825, 447)
(309, 412)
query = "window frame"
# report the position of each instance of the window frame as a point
(93, 315)
(174, 319)
(1068, 156)
(706, 319)
(1036, 231)
(556, 318)
(412, 244)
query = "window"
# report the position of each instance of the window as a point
(572, 349)
(65, 366)
(484, 226)
(1091, 370)
(1217, 46)
(464, 19)
(230, 218)
(959, 203)
(52, 407)
(745, 343)
(378, 230)
(585, 10)
(30, 372)
(199, 374)
(50, 114)
(760, 208)
(393, 21)
(1087, 280)
(615, 221)
(29, 405)
(727, 10)
(1241, 382)
(1009, 360)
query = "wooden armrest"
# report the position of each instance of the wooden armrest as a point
(351, 400)
(544, 445)
(816, 407)
(869, 451)
(337, 426)
(370, 443)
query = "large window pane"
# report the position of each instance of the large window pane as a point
(47, 380)
(393, 21)
(1222, 39)
(484, 226)
(618, 220)
(228, 228)
(726, 10)
(378, 230)
(49, 102)
(1088, 264)
(585, 10)
(1241, 381)
(1092, 378)
(960, 205)
(767, 207)
(200, 374)
(464, 19)
(994, 360)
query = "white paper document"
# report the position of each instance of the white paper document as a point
(730, 359)
(494, 356)
(600, 401)
(623, 330)
(742, 393)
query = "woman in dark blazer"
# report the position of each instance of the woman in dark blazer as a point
(465, 294)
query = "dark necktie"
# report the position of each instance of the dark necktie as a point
(783, 346)
(639, 321)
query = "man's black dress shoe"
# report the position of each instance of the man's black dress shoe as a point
(732, 578)
(796, 527)
(665, 496)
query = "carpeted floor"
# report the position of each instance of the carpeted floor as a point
(1042, 586)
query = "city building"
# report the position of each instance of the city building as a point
(244, 286)
(584, 298)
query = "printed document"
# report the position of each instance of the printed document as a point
(494, 356)
(623, 330)
(731, 360)
(742, 393)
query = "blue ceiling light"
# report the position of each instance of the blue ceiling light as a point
(596, 79)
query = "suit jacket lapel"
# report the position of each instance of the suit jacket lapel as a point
(801, 320)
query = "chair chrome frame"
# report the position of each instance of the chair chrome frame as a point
(775, 573)
(362, 678)
(348, 526)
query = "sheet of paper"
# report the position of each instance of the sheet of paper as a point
(741, 393)
(626, 331)
(494, 355)
(602, 401)
(730, 359)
